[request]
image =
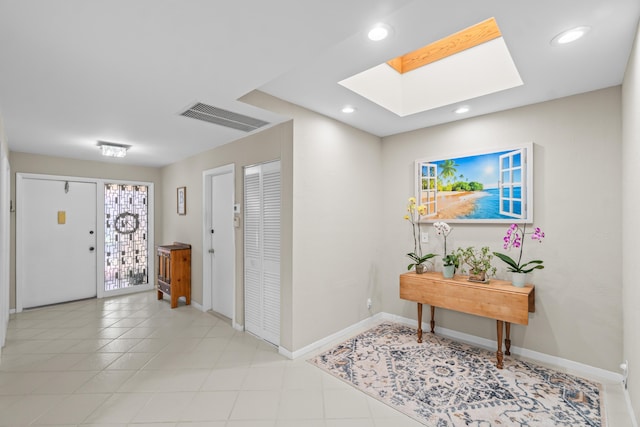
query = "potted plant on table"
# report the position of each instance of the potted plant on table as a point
(515, 239)
(478, 262)
(449, 261)
(413, 216)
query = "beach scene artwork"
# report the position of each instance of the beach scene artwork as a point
(486, 187)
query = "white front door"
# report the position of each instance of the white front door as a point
(219, 241)
(56, 235)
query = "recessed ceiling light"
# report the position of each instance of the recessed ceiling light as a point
(348, 109)
(379, 32)
(462, 109)
(570, 35)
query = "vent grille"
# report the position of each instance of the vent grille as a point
(218, 116)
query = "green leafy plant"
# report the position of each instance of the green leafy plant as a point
(450, 259)
(515, 239)
(413, 216)
(477, 261)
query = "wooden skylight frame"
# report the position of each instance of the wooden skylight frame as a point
(462, 40)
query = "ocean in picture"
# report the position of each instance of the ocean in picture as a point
(487, 206)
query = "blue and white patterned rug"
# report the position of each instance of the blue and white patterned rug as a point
(441, 382)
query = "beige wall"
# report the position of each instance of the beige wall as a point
(336, 221)
(577, 202)
(271, 144)
(630, 215)
(47, 165)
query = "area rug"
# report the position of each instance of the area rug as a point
(440, 382)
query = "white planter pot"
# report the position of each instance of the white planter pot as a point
(518, 279)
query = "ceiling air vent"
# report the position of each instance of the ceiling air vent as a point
(218, 116)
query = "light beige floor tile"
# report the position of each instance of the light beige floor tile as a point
(357, 422)
(180, 379)
(119, 345)
(27, 409)
(95, 361)
(251, 423)
(225, 379)
(20, 383)
(105, 382)
(65, 382)
(131, 361)
(141, 381)
(196, 360)
(302, 377)
(181, 345)
(112, 333)
(150, 345)
(301, 405)
(60, 362)
(164, 407)
(137, 332)
(164, 361)
(72, 409)
(203, 424)
(58, 346)
(119, 408)
(256, 405)
(348, 403)
(210, 406)
(263, 378)
(300, 423)
(88, 345)
(397, 422)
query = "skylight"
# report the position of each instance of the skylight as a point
(471, 63)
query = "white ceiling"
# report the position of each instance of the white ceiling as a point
(73, 72)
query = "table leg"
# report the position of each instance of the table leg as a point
(433, 320)
(499, 356)
(507, 341)
(419, 322)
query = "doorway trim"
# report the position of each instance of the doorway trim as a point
(100, 220)
(206, 220)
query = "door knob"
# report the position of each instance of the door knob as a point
(211, 251)
(91, 248)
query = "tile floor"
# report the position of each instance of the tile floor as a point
(133, 361)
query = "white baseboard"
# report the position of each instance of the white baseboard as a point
(331, 339)
(12, 311)
(632, 414)
(575, 367)
(196, 305)
(569, 365)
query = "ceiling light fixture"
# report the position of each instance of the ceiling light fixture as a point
(379, 32)
(462, 109)
(569, 36)
(111, 149)
(348, 109)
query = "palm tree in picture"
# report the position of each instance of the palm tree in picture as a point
(448, 170)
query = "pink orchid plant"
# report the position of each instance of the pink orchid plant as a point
(515, 239)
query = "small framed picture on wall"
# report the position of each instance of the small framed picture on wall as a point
(182, 200)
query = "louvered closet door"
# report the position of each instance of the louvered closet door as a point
(262, 250)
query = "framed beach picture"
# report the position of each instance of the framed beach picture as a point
(182, 200)
(490, 186)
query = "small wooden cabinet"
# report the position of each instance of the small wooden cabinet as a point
(174, 272)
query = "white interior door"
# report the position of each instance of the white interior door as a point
(262, 250)
(221, 244)
(57, 241)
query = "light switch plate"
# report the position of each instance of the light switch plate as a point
(424, 237)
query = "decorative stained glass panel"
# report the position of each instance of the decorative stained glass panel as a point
(126, 232)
